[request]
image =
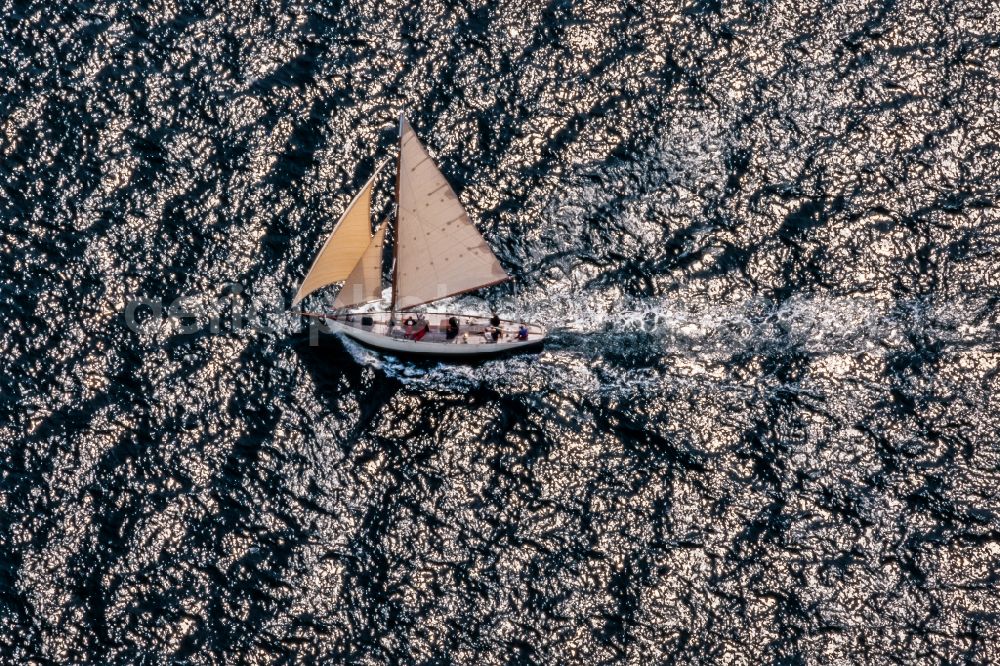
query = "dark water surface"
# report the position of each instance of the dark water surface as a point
(766, 428)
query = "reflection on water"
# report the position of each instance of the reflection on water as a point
(763, 427)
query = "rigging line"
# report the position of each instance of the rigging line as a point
(395, 238)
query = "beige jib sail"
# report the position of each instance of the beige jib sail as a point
(342, 250)
(438, 252)
(364, 284)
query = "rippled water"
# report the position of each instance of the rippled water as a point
(764, 431)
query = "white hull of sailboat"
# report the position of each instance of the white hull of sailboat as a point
(470, 343)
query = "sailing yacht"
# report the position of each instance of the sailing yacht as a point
(437, 253)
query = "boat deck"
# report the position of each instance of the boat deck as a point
(473, 332)
(472, 329)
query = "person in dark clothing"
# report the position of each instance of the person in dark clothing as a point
(451, 332)
(522, 332)
(494, 332)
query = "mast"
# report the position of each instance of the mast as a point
(395, 240)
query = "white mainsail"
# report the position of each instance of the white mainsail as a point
(364, 284)
(439, 252)
(342, 250)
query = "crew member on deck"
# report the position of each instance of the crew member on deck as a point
(494, 329)
(451, 332)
